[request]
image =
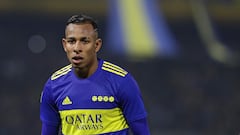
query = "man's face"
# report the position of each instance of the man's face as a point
(81, 45)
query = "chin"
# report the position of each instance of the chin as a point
(77, 65)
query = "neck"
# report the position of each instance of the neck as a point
(87, 71)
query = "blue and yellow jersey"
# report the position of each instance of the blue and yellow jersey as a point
(104, 103)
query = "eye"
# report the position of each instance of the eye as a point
(85, 41)
(71, 41)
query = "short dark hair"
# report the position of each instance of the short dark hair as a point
(82, 19)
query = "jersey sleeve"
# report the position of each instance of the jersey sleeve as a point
(131, 100)
(140, 127)
(49, 129)
(49, 114)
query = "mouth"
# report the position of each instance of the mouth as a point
(77, 59)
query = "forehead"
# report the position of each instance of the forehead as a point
(73, 30)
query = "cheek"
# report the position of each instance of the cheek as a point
(68, 48)
(91, 49)
(90, 52)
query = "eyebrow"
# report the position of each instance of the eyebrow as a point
(70, 38)
(85, 38)
(82, 38)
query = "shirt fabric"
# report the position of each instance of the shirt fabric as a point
(104, 103)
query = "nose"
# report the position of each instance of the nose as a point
(77, 47)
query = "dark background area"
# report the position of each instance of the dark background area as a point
(191, 94)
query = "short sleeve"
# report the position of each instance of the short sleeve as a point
(131, 100)
(48, 111)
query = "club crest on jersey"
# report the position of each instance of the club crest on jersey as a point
(66, 101)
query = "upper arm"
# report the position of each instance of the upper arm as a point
(48, 111)
(131, 100)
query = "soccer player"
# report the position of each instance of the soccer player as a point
(90, 96)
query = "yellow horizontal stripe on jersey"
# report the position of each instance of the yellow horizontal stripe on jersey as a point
(105, 63)
(113, 71)
(92, 121)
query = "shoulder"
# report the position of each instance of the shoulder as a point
(61, 73)
(55, 81)
(113, 69)
(58, 77)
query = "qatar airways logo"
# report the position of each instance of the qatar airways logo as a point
(85, 121)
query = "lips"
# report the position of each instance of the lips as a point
(77, 59)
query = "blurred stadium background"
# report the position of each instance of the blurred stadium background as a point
(187, 63)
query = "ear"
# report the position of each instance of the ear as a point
(64, 42)
(98, 45)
